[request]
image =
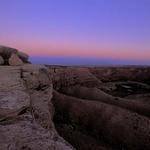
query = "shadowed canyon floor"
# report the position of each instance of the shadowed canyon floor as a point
(103, 107)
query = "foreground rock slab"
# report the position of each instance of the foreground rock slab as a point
(26, 111)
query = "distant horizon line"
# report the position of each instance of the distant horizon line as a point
(63, 60)
(124, 54)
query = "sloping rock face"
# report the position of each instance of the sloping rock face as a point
(26, 110)
(12, 56)
(68, 76)
(96, 94)
(14, 60)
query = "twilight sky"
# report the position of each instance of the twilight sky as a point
(78, 31)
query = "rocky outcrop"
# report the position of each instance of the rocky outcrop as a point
(14, 60)
(12, 56)
(26, 110)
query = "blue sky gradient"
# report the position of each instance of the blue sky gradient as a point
(97, 29)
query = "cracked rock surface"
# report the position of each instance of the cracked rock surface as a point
(26, 110)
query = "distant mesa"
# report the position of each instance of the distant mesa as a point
(12, 57)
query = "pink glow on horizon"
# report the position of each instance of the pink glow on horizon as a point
(82, 50)
(93, 53)
(86, 52)
(96, 29)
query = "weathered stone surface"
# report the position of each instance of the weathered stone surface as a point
(14, 60)
(26, 111)
(40, 93)
(13, 94)
(1, 60)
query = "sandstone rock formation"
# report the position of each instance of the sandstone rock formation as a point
(12, 56)
(26, 110)
(14, 60)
